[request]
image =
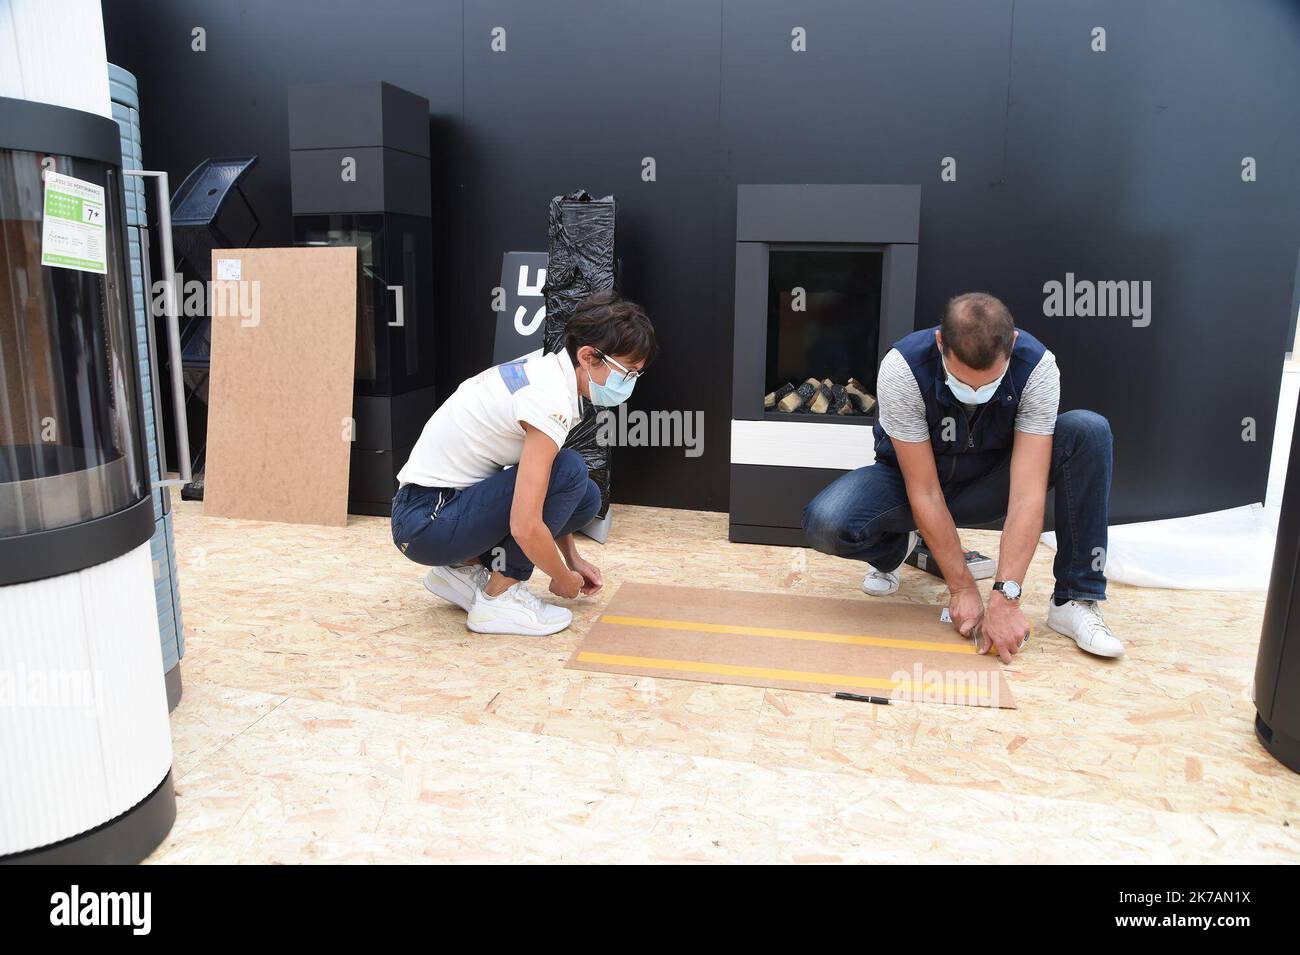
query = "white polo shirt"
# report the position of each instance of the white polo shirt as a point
(478, 430)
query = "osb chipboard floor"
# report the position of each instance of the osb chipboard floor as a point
(335, 711)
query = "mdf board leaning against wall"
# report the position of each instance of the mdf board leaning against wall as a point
(283, 354)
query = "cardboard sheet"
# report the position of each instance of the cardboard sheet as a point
(283, 357)
(870, 647)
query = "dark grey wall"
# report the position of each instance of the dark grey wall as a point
(1113, 166)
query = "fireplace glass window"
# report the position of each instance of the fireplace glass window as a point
(70, 446)
(823, 316)
(392, 356)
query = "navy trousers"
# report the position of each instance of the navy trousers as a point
(865, 515)
(442, 526)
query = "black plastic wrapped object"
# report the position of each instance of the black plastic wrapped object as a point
(581, 231)
(581, 262)
(584, 438)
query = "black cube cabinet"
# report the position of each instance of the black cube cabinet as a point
(359, 161)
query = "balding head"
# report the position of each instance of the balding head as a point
(978, 330)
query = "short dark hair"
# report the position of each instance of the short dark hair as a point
(612, 326)
(978, 329)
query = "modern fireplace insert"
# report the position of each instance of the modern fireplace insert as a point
(823, 326)
(825, 284)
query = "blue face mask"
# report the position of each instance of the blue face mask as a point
(972, 396)
(616, 389)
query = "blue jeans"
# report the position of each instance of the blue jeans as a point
(865, 514)
(442, 526)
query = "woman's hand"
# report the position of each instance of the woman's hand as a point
(592, 580)
(568, 585)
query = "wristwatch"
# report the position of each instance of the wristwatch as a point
(1009, 588)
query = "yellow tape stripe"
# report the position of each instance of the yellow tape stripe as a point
(769, 673)
(738, 630)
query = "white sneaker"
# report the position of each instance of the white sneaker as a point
(457, 584)
(1081, 620)
(882, 583)
(516, 610)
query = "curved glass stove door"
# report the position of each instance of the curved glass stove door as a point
(71, 447)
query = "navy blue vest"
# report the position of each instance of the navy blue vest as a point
(966, 444)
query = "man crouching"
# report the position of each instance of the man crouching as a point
(968, 433)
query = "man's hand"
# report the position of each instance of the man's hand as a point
(966, 609)
(568, 585)
(592, 580)
(1005, 627)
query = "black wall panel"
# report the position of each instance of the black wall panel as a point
(1127, 165)
(584, 93)
(1113, 166)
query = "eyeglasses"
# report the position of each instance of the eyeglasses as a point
(629, 374)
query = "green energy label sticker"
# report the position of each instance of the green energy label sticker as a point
(74, 234)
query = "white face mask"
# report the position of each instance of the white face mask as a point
(968, 395)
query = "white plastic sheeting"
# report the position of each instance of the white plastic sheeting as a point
(1225, 550)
